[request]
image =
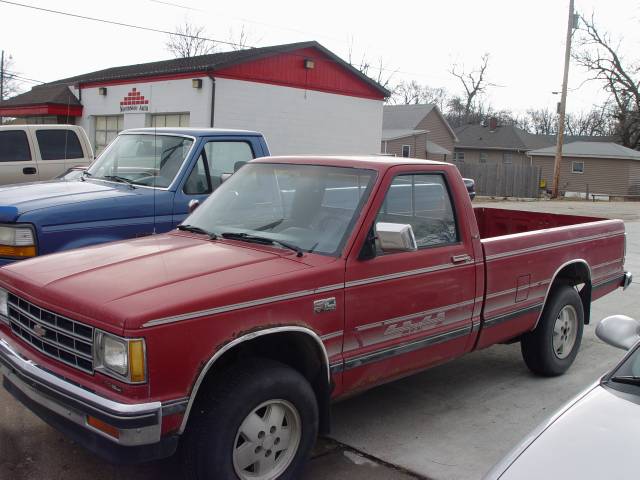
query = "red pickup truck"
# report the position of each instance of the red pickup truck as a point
(301, 280)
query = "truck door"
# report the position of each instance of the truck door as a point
(411, 309)
(17, 163)
(218, 158)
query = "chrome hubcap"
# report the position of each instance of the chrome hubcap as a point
(267, 441)
(565, 332)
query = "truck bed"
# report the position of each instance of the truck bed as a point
(525, 251)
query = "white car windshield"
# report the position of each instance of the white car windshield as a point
(150, 160)
(308, 207)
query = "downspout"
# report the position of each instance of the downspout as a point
(213, 99)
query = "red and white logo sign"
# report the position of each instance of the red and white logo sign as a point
(134, 102)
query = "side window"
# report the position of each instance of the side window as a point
(226, 157)
(198, 183)
(14, 146)
(59, 144)
(422, 201)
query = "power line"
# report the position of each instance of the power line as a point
(20, 77)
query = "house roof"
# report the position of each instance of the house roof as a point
(44, 94)
(407, 117)
(400, 133)
(49, 92)
(510, 137)
(590, 150)
(433, 147)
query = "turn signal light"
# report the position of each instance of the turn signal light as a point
(21, 252)
(136, 361)
(103, 427)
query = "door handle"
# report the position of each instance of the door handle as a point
(29, 170)
(460, 258)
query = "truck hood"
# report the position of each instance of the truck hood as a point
(124, 284)
(587, 441)
(16, 200)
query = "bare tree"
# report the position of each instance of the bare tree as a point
(541, 121)
(384, 75)
(189, 40)
(242, 39)
(596, 122)
(11, 83)
(599, 54)
(406, 93)
(474, 84)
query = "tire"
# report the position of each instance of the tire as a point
(550, 353)
(230, 424)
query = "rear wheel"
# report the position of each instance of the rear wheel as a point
(258, 422)
(552, 347)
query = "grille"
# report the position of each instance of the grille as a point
(66, 340)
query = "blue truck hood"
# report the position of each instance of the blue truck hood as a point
(16, 200)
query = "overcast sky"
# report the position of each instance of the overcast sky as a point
(419, 39)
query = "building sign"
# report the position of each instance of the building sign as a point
(134, 102)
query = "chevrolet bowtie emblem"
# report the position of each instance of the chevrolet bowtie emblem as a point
(39, 330)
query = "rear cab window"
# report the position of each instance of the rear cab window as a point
(14, 146)
(59, 144)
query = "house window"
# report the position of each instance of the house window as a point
(170, 120)
(106, 129)
(577, 167)
(458, 156)
(483, 157)
(507, 158)
(406, 151)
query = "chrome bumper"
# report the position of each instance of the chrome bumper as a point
(138, 424)
(627, 279)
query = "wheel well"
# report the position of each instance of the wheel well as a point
(298, 350)
(577, 274)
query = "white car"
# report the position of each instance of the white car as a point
(594, 435)
(29, 153)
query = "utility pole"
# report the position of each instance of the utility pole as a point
(563, 102)
(1, 80)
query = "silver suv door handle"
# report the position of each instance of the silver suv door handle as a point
(460, 258)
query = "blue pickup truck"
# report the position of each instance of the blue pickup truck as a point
(143, 183)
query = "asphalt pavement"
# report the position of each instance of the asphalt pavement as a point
(450, 422)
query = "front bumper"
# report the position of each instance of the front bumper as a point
(66, 406)
(627, 280)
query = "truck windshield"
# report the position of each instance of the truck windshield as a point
(309, 207)
(150, 160)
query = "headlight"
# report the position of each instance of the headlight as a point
(17, 241)
(4, 311)
(121, 358)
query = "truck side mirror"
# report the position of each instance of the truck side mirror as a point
(619, 331)
(224, 177)
(396, 237)
(192, 205)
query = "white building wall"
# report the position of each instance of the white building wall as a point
(297, 121)
(169, 96)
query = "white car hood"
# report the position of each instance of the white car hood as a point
(594, 438)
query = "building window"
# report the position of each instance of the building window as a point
(483, 157)
(507, 158)
(458, 157)
(170, 120)
(106, 129)
(577, 167)
(406, 151)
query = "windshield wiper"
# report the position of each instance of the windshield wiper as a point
(630, 379)
(246, 237)
(194, 229)
(269, 226)
(119, 179)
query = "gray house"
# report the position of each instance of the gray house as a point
(592, 167)
(417, 131)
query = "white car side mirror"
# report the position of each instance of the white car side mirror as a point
(396, 237)
(619, 331)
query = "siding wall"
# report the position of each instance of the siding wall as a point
(493, 156)
(438, 133)
(418, 146)
(607, 176)
(634, 178)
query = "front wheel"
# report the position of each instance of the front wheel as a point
(551, 348)
(259, 421)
